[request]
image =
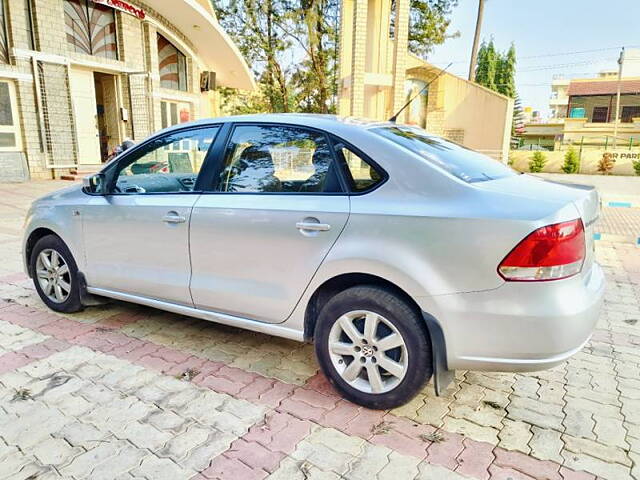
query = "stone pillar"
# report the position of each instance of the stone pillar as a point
(400, 52)
(358, 56)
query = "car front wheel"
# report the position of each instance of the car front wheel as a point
(373, 346)
(55, 275)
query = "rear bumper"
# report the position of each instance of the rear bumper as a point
(520, 326)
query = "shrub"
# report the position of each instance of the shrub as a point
(571, 161)
(606, 163)
(636, 166)
(538, 161)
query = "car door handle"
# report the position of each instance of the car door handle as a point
(315, 227)
(174, 217)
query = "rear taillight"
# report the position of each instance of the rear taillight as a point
(549, 253)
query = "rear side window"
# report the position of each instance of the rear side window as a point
(364, 176)
(278, 159)
(465, 164)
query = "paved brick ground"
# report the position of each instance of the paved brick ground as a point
(620, 221)
(123, 391)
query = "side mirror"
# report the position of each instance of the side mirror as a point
(94, 184)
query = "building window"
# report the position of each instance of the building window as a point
(173, 113)
(9, 124)
(4, 47)
(172, 65)
(28, 15)
(90, 28)
(600, 115)
(629, 113)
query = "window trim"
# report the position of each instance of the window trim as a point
(335, 140)
(187, 88)
(16, 128)
(123, 161)
(220, 155)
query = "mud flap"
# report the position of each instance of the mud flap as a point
(442, 376)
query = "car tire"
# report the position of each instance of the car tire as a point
(56, 281)
(394, 323)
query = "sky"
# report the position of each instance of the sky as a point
(547, 30)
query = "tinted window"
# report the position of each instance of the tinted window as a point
(277, 159)
(167, 164)
(363, 175)
(465, 164)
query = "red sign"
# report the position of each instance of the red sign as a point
(123, 7)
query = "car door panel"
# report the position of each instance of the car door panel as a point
(137, 237)
(251, 257)
(139, 244)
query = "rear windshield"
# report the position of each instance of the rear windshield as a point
(465, 164)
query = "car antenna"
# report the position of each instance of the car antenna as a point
(395, 117)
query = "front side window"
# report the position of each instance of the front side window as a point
(9, 128)
(457, 160)
(169, 164)
(4, 47)
(90, 28)
(172, 64)
(278, 159)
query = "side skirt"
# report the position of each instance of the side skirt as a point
(223, 318)
(442, 376)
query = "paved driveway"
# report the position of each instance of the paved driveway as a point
(122, 391)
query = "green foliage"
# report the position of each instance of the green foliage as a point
(505, 78)
(571, 161)
(538, 161)
(292, 48)
(428, 24)
(497, 70)
(636, 166)
(487, 65)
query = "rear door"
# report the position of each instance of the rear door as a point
(275, 206)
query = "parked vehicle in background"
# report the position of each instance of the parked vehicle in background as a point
(401, 255)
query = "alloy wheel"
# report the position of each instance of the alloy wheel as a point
(53, 275)
(368, 351)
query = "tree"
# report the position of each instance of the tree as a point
(506, 72)
(538, 161)
(487, 65)
(517, 124)
(291, 46)
(571, 161)
(429, 24)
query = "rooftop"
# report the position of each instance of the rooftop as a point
(603, 87)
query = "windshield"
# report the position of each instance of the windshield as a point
(465, 164)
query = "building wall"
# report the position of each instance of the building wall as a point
(465, 112)
(41, 78)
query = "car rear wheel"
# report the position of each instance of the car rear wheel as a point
(55, 275)
(373, 347)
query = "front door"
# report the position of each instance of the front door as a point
(275, 209)
(137, 237)
(85, 113)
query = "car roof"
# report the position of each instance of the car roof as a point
(322, 121)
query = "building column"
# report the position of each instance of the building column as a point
(358, 55)
(400, 52)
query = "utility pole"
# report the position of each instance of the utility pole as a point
(476, 41)
(617, 119)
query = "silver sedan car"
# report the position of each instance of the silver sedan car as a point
(401, 255)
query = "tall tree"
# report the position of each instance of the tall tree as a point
(428, 24)
(506, 73)
(291, 46)
(487, 65)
